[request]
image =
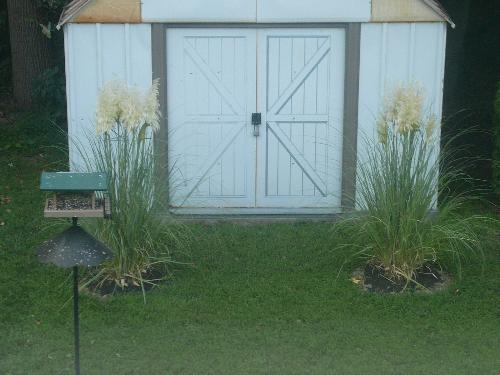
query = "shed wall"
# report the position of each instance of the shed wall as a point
(392, 53)
(256, 11)
(95, 54)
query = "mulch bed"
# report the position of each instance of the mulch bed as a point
(429, 278)
(110, 287)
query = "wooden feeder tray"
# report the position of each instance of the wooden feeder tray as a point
(77, 205)
(75, 194)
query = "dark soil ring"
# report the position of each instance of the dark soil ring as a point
(429, 279)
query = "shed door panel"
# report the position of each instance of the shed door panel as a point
(301, 85)
(217, 78)
(211, 93)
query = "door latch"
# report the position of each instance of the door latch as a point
(256, 121)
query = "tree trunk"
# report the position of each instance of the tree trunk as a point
(30, 51)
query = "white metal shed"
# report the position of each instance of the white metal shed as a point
(315, 71)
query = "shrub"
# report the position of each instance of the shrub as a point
(496, 152)
(399, 183)
(140, 239)
(49, 91)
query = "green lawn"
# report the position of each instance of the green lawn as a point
(261, 299)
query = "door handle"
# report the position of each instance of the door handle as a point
(256, 122)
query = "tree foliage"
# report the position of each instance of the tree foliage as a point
(5, 72)
(50, 10)
(496, 152)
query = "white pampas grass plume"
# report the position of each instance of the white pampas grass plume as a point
(403, 107)
(108, 106)
(430, 127)
(131, 108)
(152, 106)
(119, 104)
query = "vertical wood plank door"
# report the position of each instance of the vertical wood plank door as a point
(216, 79)
(300, 95)
(211, 93)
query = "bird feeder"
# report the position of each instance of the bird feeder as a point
(76, 194)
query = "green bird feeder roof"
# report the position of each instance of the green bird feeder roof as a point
(73, 182)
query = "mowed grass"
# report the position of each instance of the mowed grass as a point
(259, 299)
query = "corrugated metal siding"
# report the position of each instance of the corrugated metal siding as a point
(390, 53)
(95, 54)
(398, 52)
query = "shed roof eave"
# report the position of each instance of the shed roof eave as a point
(76, 6)
(439, 9)
(71, 10)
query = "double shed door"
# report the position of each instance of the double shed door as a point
(216, 80)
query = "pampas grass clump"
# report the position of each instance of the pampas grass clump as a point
(407, 216)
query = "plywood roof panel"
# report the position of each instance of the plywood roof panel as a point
(409, 11)
(102, 11)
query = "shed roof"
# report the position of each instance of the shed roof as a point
(105, 11)
(75, 8)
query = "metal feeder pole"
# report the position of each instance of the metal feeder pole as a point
(74, 247)
(76, 317)
(77, 320)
